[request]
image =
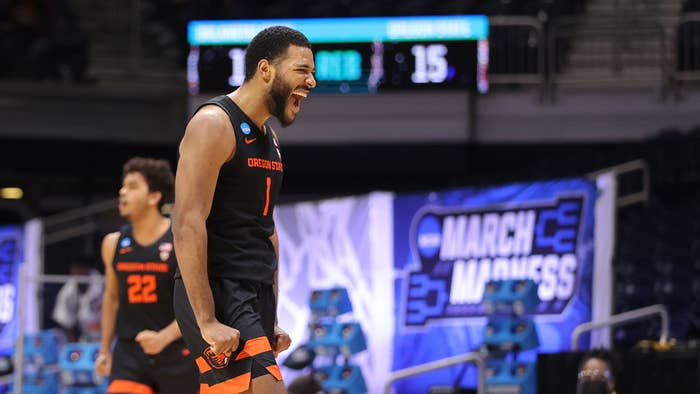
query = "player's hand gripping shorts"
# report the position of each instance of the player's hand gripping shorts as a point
(247, 307)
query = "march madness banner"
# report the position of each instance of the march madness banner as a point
(448, 244)
(11, 249)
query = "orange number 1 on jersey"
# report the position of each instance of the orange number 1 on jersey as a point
(268, 180)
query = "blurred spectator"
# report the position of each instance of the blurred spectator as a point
(44, 41)
(305, 384)
(29, 24)
(70, 48)
(597, 373)
(30, 17)
(78, 305)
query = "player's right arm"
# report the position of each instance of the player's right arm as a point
(110, 305)
(208, 143)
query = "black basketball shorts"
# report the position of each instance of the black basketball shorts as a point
(134, 372)
(246, 306)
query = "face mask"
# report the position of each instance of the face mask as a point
(592, 387)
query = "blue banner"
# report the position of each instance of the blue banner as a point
(448, 244)
(11, 252)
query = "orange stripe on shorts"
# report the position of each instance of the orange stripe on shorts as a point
(128, 387)
(274, 370)
(235, 385)
(202, 364)
(254, 347)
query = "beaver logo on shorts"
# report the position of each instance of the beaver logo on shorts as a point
(216, 361)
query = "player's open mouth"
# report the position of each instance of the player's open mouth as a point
(297, 97)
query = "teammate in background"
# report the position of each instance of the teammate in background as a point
(149, 355)
(228, 180)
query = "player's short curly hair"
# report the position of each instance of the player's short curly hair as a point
(158, 174)
(271, 44)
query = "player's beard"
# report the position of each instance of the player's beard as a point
(277, 101)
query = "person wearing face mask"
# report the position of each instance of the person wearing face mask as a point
(78, 305)
(597, 373)
(228, 179)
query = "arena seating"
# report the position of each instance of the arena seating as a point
(657, 257)
(688, 56)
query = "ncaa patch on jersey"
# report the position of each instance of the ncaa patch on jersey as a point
(245, 128)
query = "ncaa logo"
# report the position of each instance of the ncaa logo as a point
(126, 242)
(245, 128)
(429, 236)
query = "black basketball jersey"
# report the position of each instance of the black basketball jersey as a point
(240, 223)
(146, 277)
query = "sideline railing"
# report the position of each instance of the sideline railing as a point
(629, 167)
(608, 61)
(626, 48)
(687, 57)
(24, 278)
(626, 317)
(473, 357)
(517, 59)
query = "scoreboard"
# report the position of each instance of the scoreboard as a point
(353, 55)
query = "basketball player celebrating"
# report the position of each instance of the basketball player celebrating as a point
(228, 179)
(149, 355)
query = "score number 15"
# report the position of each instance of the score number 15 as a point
(431, 64)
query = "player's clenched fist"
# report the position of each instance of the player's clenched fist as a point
(222, 338)
(282, 341)
(103, 364)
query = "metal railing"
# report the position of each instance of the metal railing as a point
(641, 195)
(626, 317)
(666, 52)
(18, 359)
(687, 58)
(473, 357)
(612, 36)
(504, 72)
(135, 40)
(125, 19)
(58, 227)
(76, 222)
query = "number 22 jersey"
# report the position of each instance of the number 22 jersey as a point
(145, 274)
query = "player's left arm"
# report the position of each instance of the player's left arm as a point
(282, 339)
(153, 342)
